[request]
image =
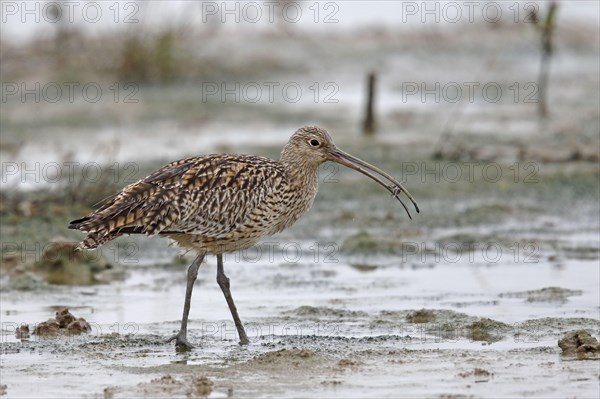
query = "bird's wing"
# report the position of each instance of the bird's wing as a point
(206, 195)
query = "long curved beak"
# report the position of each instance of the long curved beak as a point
(392, 185)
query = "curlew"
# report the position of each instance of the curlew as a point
(216, 204)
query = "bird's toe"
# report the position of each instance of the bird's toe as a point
(181, 343)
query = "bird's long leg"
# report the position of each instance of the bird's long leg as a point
(181, 342)
(223, 282)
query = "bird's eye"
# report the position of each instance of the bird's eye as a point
(314, 142)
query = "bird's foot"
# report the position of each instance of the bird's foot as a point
(181, 342)
(244, 340)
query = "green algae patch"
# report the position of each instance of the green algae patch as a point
(421, 316)
(487, 330)
(363, 267)
(366, 243)
(62, 264)
(546, 294)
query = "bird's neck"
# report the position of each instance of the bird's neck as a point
(301, 172)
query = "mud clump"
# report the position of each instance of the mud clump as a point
(22, 332)
(421, 316)
(480, 375)
(283, 353)
(288, 360)
(78, 326)
(169, 386)
(202, 386)
(64, 322)
(487, 330)
(3, 388)
(348, 363)
(64, 318)
(47, 328)
(165, 385)
(109, 392)
(165, 380)
(580, 344)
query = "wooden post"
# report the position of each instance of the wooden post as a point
(61, 36)
(547, 28)
(369, 125)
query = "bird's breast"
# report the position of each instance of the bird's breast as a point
(258, 214)
(291, 205)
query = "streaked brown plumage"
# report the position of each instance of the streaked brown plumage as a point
(215, 204)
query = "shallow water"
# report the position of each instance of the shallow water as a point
(333, 310)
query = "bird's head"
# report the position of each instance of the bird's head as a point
(311, 146)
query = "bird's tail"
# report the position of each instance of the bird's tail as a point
(141, 208)
(107, 224)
